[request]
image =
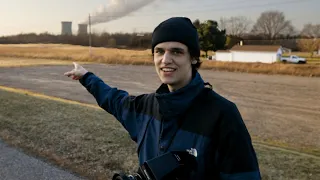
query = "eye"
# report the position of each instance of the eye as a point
(177, 52)
(159, 51)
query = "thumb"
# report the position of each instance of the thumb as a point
(76, 65)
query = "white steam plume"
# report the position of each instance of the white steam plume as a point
(116, 9)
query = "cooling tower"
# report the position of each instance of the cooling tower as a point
(82, 29)
(66, 28)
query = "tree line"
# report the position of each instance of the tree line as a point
(269, 28)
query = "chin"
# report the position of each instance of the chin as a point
(167, 81)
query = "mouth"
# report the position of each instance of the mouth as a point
(168, 69)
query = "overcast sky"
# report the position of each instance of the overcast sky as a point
(24, 16)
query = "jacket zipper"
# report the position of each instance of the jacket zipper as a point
(160, 136)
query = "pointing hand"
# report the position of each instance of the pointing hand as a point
(77, 72)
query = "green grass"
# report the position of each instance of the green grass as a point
(275, 164)
(90, 142)
(85, 140)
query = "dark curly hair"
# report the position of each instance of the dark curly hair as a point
(198, 64)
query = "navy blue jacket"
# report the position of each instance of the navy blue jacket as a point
(214, 126)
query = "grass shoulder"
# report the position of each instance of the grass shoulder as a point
(90, 142)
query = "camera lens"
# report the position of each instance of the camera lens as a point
(124, 177)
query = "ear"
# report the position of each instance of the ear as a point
(194, 61)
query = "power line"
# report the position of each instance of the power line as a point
(222, 2)
(206, 6)
(216, 9)
(252, 6)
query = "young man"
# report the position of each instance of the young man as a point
(183, 113)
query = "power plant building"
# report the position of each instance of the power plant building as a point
(82, 29)
(66, 28)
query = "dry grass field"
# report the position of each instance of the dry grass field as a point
(134, 57)
(72, 52)
(23, 62)
(90, 142)
(305, 55)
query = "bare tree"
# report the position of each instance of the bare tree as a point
(236, 26)
(223, 23)
(271, 24)
(312, 43)
(311, 31)
(309, 45)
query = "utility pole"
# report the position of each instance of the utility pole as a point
(90, 36)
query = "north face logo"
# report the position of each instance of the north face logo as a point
(193, 152)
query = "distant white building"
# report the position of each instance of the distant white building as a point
(251, 53)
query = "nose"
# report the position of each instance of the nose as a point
(166, 58)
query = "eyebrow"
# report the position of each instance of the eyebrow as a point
(177, 49)
(172, 49)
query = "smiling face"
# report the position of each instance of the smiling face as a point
(173, 64)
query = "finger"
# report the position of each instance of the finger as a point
(76, 78)
(69, 73)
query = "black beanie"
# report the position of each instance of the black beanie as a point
(178, 29)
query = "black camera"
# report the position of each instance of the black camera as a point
(173, 165)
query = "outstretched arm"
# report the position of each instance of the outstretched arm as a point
(116, 102)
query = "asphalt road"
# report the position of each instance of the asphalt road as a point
(283, 108)
(15, 165)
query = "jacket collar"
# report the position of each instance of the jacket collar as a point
(173, 104)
